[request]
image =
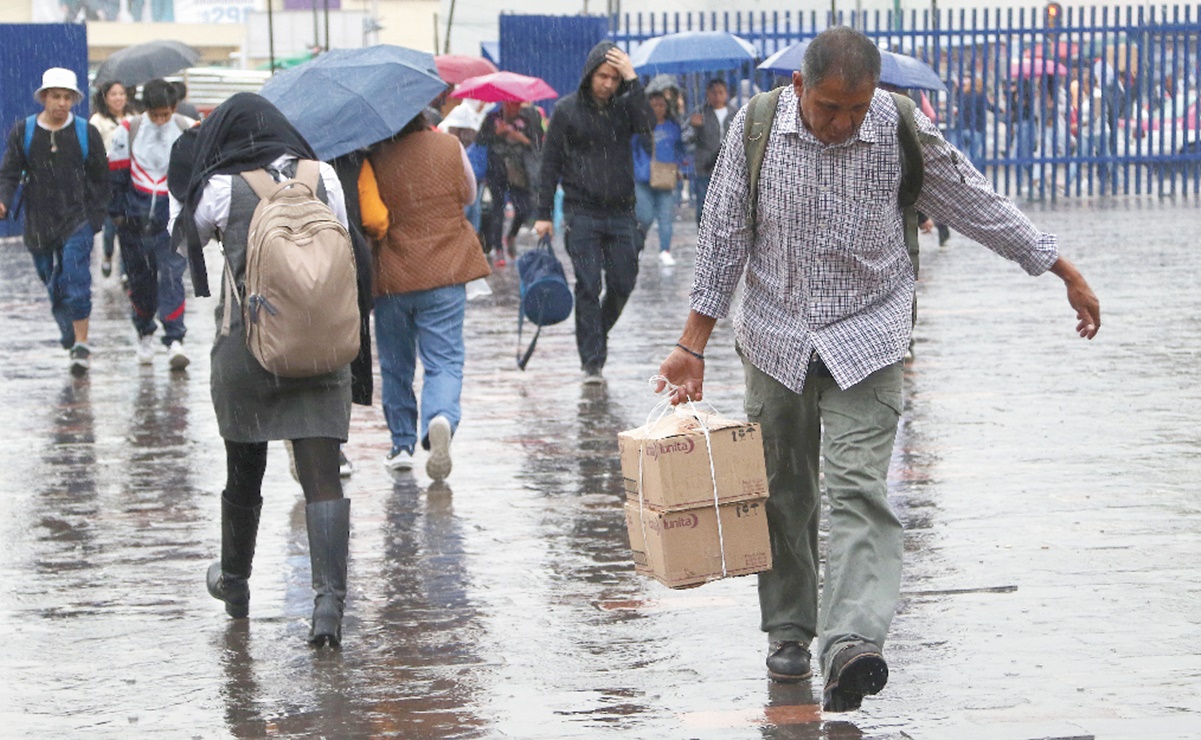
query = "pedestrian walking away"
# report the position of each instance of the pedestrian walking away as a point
(113, 107)
(587, 150)
(60, 160)
(822, 328)
(512, 136)
(704, 134)
(657, 162)
(426, 254)
(211, 195)
(140, 206)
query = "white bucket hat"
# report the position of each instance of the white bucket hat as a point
(60, 78)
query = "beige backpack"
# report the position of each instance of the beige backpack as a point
(300, 303)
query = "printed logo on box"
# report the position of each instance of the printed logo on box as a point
(684, 445)
(684, 520)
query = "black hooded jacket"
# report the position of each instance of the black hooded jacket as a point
(587, 147)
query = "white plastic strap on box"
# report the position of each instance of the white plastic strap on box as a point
(662, 408)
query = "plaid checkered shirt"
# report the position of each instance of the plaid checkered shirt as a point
(827, 271)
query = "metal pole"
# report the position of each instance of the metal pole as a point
(435, 32)
(271, 35)
(450, 21)
(316, 33)
(327, 25)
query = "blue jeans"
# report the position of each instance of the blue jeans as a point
(429, 322)
(702, 189)
(655, 204)
(67, 275)
(155, 273)
(474, 211)
(600, 247)
(1027, 139)
(110, 238)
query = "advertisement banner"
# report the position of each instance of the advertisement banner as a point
(144, 11)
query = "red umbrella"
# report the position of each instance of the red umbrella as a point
(501, 86)
(1035, 67)
(454, 68)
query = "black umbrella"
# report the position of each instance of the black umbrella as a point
(134, 65)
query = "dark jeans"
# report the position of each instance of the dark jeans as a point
(600, 246)
(155, 272)
(496, 224)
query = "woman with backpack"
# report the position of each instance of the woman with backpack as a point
(247, 134)
(426, 253)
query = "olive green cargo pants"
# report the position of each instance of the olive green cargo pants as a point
(863, 559)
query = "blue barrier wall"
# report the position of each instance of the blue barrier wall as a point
(1117, 111)
(27, 50)
(550, 47)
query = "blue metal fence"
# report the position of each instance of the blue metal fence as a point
(1103, 101)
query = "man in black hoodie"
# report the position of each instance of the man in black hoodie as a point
(587, 150)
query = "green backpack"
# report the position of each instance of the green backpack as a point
(761, 112)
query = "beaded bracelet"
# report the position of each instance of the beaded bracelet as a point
(697, 355)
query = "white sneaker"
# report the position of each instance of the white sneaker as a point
(666, 259)
(146, 349)
(176, 357)
(399, 459)
(439, 464)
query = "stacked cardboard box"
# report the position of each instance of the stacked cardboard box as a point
(672, 511)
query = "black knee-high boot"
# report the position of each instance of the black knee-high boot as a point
(329, 540)
(228, 578)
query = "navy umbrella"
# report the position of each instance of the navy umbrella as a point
(347, 99)
(691, 51)
(898, 70)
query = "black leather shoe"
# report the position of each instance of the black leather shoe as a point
(857, 670)
(788, 662)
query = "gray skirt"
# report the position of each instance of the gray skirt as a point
(254, 405)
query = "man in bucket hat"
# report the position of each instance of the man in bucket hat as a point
(61, 161)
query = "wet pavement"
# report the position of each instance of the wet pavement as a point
(1048, 487)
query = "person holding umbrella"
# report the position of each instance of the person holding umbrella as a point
(426, 253)
(587, 149)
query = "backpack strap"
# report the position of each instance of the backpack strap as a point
(81, 133)
(31, 125)
(308, 172)
(912, 173)
(756, 130)
(135, 123)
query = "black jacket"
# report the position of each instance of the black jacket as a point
(587, 147)
(62, 192)
(707, 138)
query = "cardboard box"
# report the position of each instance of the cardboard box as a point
(675, 461)
(681, 549)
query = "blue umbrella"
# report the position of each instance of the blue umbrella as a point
(691, 51)
(895, 69)
(347, 99)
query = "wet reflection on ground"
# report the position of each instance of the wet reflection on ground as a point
(1047, 487)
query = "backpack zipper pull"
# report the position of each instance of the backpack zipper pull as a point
(254, 302)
